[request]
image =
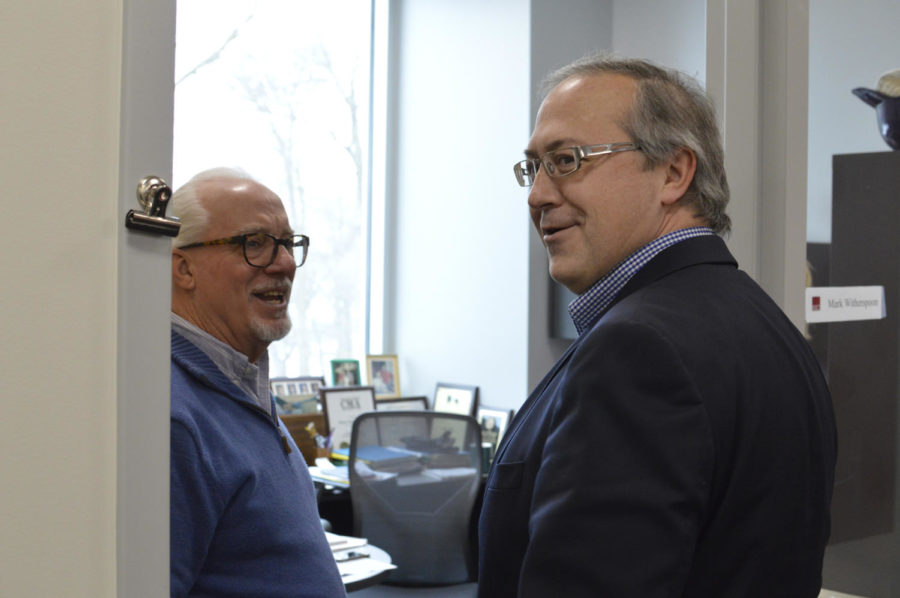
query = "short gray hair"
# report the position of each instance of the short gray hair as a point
(670, 111)
(186, 204)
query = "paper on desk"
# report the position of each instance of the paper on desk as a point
(324, 471)
(447, 473)
(365, 471)
(431, 476)
(352, 557)
(339, 542)
(362, 568)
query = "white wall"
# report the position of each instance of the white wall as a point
(60, 72)
(460, 280)
(851, 44)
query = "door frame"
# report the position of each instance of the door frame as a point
(144, 304)
(757, 73)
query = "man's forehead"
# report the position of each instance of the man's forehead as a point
(589, 86)
(581, 108)
(242, 203)
(237, 192)
(226, 187)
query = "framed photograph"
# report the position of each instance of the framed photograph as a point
(345, 372)
(341, 405)
(384, 375)
(493, 424)
(401, 404)
(455, 398)
(297, 395)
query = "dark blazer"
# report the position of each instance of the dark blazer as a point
(683, 446)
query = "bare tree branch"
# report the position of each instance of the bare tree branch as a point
(215, 55)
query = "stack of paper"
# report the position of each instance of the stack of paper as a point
(357, 561)
(390, 459)
(339, 542)
(323, 471)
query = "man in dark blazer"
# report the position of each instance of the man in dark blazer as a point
(685, 443)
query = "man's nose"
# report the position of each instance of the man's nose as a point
(284, 261)
(544, 192)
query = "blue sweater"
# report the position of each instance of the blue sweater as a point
(244, 521)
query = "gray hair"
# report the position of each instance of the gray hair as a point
(670, 111)
(186, 204)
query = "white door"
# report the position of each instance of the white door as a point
(144, 298)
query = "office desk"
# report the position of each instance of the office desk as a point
(360, 564)
(358, 579)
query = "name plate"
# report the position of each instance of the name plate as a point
(844, 304)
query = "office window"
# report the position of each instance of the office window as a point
(281, 88)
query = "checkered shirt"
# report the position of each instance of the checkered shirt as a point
(587, 307)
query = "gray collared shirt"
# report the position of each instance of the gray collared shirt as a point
(249, 377)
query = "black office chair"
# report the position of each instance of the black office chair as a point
(414, 480)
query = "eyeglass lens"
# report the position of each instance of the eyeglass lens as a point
(261, 249)
(561, 161)
(558, 163)
(525, 172)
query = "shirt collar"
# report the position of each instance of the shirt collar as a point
(587, 307)
(249, 377)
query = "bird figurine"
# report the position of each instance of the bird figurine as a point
(886, 101)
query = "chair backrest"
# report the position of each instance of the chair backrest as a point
(414, 479)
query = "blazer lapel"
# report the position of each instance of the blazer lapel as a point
(522, 413)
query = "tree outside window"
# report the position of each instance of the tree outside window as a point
(280, 88)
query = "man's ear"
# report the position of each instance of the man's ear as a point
(680, 171)
(182, 271)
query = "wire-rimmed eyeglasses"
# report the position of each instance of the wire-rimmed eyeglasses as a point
(565, 161)
(260, 249)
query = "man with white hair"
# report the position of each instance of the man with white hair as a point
(244, 520)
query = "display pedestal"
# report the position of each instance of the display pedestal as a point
(862, 367)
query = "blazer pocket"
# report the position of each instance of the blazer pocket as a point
(506, 476)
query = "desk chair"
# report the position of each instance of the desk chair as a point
(414, 480)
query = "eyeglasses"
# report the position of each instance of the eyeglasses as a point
(566, 160)
(260, 249)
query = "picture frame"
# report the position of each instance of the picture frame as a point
(455, 398)
(340, 406)
(401, 404)
(383, 374)
(493, 422)
(297, 395)
(345, 372)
